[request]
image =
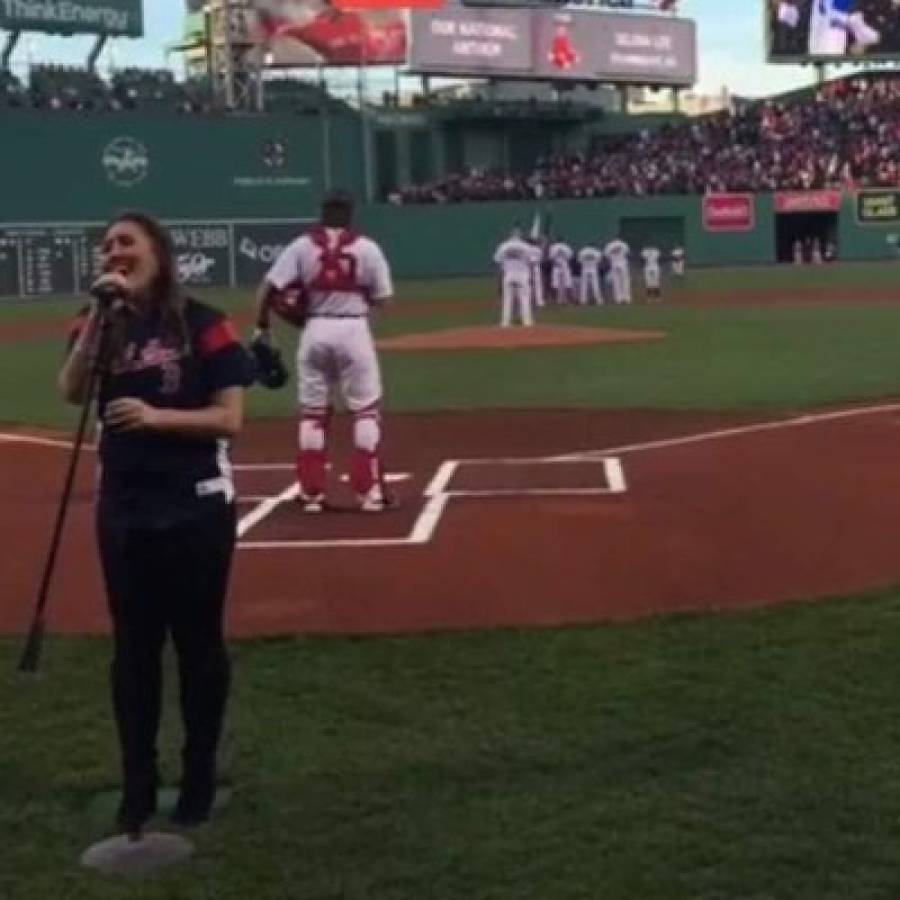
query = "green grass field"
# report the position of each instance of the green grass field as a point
(715, 357)
(734, 757)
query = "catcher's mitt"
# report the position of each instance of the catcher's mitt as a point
(289, 305)
(271, 372)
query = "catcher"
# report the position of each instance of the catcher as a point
(271, 372)
(329, 279)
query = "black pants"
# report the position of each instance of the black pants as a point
(160, 581)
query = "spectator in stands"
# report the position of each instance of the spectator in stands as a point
(846, 135)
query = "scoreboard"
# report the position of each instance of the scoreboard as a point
(39, 260)
(63, 258)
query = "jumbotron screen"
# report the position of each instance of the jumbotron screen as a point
(832, 30)
(556, 44)
(297, 33)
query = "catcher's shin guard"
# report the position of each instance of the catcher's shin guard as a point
(312, 455)
(366, 469)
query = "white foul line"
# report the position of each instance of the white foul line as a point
(7, 438)
(738, 431)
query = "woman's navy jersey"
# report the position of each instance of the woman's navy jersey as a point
(158, 479)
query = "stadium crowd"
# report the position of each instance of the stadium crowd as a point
(845, 134)
(53, 87)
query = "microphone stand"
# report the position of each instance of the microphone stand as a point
(31, 652)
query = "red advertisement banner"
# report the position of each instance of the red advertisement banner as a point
(808, 201)
(729, 212)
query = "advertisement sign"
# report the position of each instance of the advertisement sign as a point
(472, 41)
(878, 207)
(729, 212)
(113, 17)
(615, 47)
(832, 30)
(257, 245)
(554, 44)
(808, 201)
(202, 252)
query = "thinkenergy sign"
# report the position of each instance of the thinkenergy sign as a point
(115, 17)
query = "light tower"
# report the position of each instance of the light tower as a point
(235, 59)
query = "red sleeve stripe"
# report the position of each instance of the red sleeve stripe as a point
(217, 336)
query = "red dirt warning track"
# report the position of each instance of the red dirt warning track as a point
(732, 520)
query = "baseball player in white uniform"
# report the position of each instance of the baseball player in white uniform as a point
(678, 261)
(652, 282)
(561, 271)
(537, 272)
(341, 275)
(515, 257)
(619, 276)
(590, 258)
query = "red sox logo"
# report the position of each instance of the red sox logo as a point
(563, 55)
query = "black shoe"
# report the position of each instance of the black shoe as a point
(195, 801)
(137, 807)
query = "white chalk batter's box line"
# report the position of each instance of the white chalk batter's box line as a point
(437, 495)
(437, 500)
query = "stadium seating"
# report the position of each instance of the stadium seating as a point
(846, 134)
(69, 88)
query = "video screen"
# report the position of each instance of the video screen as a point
(849, 30)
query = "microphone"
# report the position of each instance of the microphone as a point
(106, 292)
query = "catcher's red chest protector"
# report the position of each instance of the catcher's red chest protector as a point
(337, 270)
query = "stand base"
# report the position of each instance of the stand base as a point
(152, 852)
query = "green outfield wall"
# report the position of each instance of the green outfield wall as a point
(80, 166)
(234, 190)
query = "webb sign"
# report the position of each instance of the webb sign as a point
(115, 17)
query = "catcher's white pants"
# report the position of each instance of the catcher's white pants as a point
(516, 294)
(620, 282)
(651, 277)
(590, 288)
(337, 354)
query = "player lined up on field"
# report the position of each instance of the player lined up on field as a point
(537, 271)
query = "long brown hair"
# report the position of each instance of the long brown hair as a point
(165, 291)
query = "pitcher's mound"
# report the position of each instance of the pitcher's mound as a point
(493, 337)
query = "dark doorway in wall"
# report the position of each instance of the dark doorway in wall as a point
(797, 235)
